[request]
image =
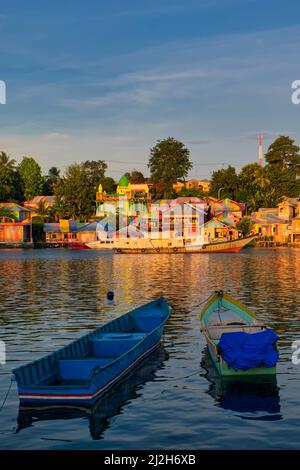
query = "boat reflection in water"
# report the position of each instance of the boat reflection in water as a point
(253, 398)
(100, 414)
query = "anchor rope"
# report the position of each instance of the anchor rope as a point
(200, 303)
(6, 395)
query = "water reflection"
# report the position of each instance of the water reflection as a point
(255, 398)
(51, 297)
(100, 414)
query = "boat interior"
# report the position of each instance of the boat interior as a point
(226, 321)
(76, 363)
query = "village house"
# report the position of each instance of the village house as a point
(217, 230)
(64, 231)
(227, 210)
(269, 226)
(295, 236)
(279, 224)
(15, 225)
(33, 204)
(70, 231)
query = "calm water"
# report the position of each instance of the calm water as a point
(48, 297)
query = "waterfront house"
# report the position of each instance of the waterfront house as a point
(18, 212)
(295, 236)
(65, 231)
(33, 204)
(268, 225)
(217, 230)
(228, 210)
(15, 224)
(289, 208)
(87, 233)
(15, 232)
(174, 218)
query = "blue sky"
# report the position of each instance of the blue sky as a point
(105, 79)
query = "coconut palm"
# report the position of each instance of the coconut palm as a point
(42, 209)
(7, 162)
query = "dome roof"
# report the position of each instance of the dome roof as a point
(123, 181)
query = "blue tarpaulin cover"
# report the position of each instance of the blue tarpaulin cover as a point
(243, 351)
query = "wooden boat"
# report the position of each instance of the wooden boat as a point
(223, 314)
(154, 247)
(87, 368)
(98, 415)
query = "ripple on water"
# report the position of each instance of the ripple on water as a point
(175, 400)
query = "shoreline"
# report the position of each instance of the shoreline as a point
(59, 246)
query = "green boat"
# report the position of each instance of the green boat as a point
(223, 314)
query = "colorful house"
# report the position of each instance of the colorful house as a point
(19, 213)
(228, 210)
(15, 232)
(267, 224)
(64, 231)
(87, 233)
(295, 236)
(289, 208)
(33, 205)
(15, 224)
(174, 218)
(217, 230)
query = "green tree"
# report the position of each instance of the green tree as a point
(74, 195)
(135, 177)
(224, 183)
(245, 226)
(31, 177)
(50, 180)
(108, 184)
(284, 154)
(95, 171)
(191, 192)
(42, 210)
(169, 160)
(7, 169)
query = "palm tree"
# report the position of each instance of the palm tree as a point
(261, 178)
(42, 210)
(7, 162)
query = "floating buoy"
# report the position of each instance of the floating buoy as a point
(110, 295)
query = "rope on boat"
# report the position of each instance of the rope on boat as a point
(200, 303)
(7, 393)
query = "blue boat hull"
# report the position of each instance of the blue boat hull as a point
(85, 370)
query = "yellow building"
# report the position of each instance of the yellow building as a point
(268, 225)
(201, 185)
(295, 238)
(132, 199)
(288, 208)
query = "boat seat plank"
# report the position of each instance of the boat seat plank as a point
(215, 332)
(80, 369)
(115, 344)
